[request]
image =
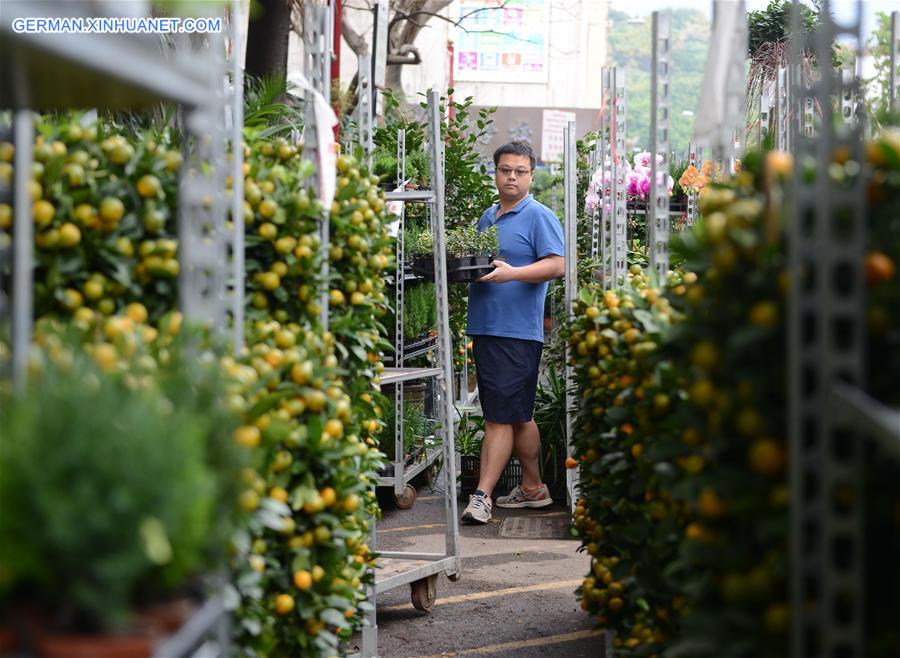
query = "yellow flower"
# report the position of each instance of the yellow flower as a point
(688, 177)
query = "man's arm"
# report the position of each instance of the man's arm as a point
(547, 268)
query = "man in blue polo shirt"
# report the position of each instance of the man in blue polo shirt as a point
(506, 322)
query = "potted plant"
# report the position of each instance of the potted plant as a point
(109, 500)
(470, 253)
(414, 429)
(550, 417)
(469, 435)
(384, 165)
(418, 169)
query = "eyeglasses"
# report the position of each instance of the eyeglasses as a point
(507, 172)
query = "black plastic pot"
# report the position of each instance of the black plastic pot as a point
(459, 270)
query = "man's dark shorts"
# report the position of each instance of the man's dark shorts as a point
(507, 373)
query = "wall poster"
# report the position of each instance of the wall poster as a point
(501, 40)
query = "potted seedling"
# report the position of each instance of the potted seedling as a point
(384, 165)
(418, 170)
(470, 253)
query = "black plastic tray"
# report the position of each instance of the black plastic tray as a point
(459, 270)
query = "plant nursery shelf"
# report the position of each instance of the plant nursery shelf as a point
(394, 375)
(422, 196)
(44, 71)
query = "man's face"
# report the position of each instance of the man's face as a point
(513, 176)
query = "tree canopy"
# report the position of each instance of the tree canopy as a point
(630, 47)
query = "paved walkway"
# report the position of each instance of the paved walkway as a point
(515, 598)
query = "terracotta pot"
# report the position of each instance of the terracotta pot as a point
(94, 646)
(9, 640)
(165, 618)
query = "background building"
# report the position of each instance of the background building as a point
(537, 61)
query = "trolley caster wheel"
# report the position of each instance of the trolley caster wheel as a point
(423, 593)
(406, 499)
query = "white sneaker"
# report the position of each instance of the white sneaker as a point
(478, 510)
(518, 498)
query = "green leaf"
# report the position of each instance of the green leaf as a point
(334, 618)
(315, 428)
(267, 403)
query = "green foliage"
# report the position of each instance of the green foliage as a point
(384, 165)
(463, 240)
(773, 24)
(469, 435)
(470, 189)
(108, 487)
(418, 168)
(878, 86)
(420, 310)
(676, 169)
(550, 417)
(467, 240)
(418, 241)
(547, 188)
(267, 112)
(414, 427)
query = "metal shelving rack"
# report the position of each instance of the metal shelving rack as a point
(570, 204)
(119, 71)
(658, 217)
(614, 221)
(422, 575)
(404, 492)
(828, 409)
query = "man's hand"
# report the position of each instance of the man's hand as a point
(550, 267)
(502, 273)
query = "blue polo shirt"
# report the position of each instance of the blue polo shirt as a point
(515, 309)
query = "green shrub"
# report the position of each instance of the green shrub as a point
(104, 491)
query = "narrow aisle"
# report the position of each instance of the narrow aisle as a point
(515, 598)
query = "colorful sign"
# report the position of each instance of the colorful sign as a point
(501, 40)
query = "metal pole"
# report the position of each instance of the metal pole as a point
(237, 184)
(596, 160)
(825, 348)
(848, 96)
(619, 191)
(315, 66)
(606, 198)
(571, 287)
(658, 219)
(23, 248)
(201, 203)
(380, 47)
(692, 195)
(443, 384)
(364, 107)
(399, 329)
(783, 105)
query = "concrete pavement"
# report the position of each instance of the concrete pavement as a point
(515, 598)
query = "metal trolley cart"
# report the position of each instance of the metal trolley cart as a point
(420, 570)
(399, 480)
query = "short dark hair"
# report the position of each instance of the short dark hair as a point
(515, 148)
